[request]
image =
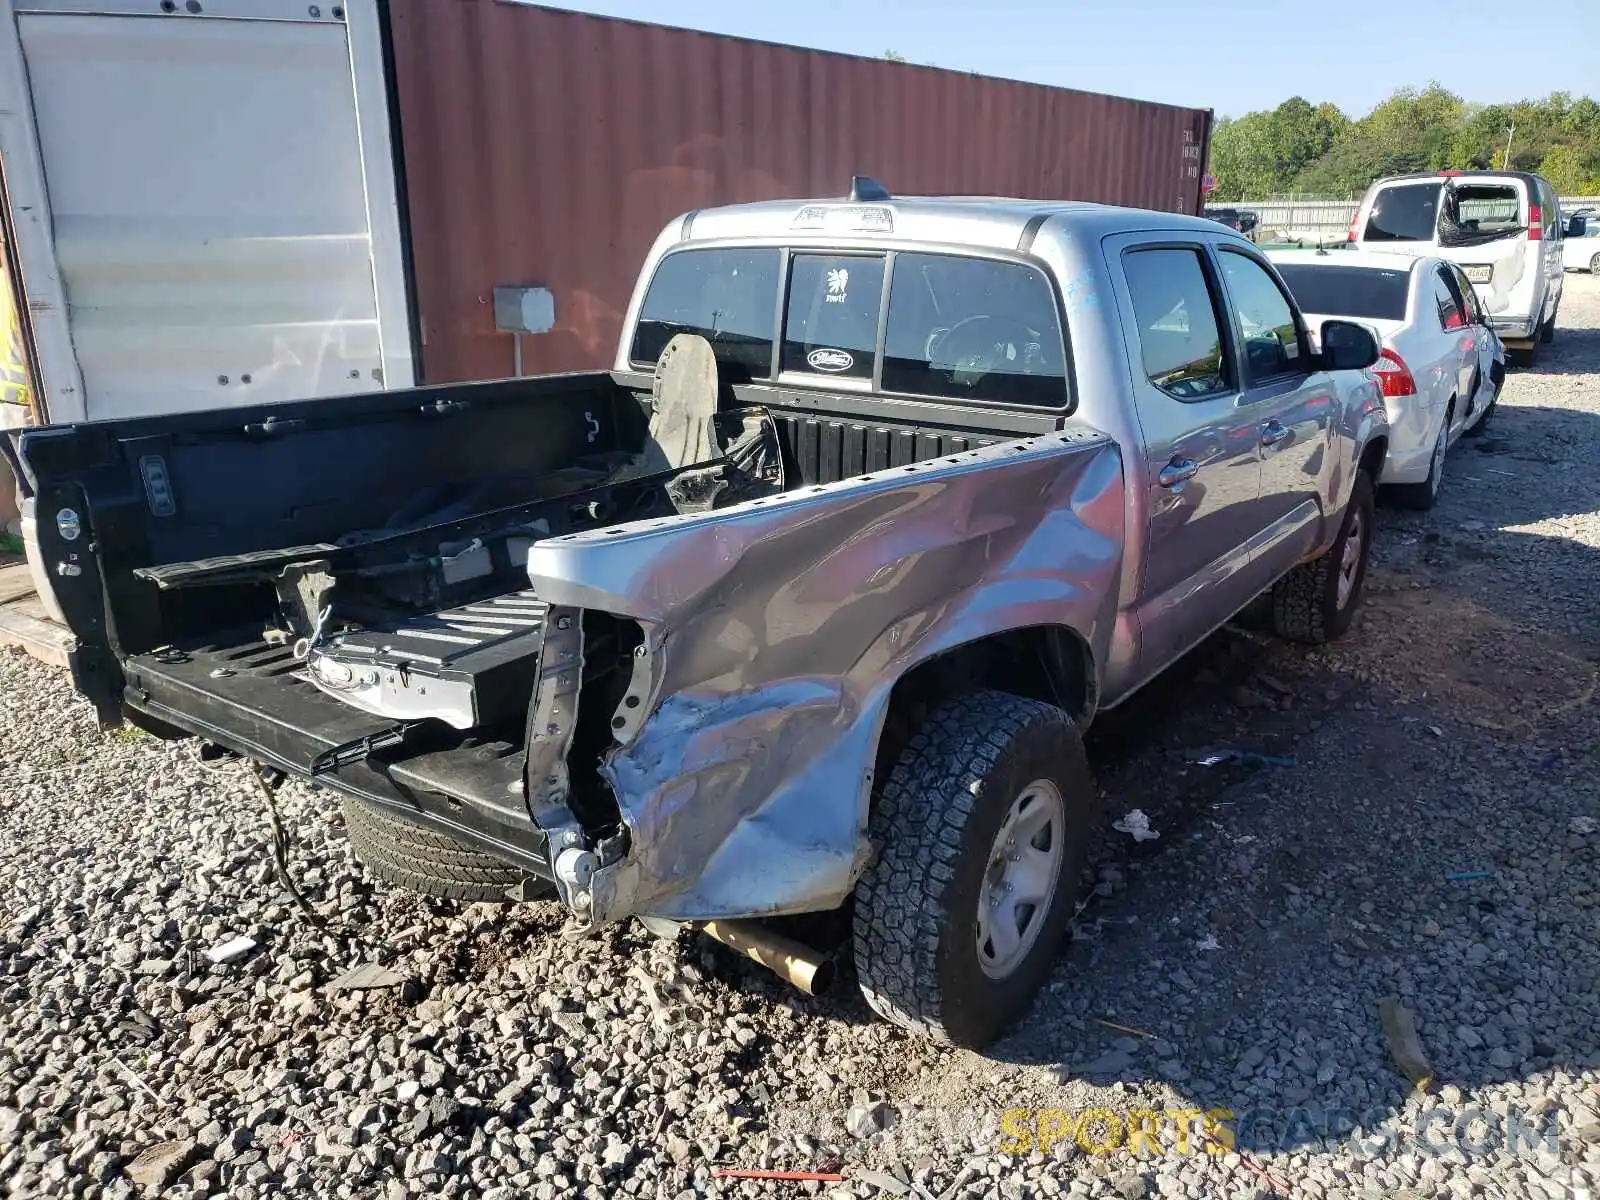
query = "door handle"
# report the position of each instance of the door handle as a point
(1275, 434)
(1176, 471)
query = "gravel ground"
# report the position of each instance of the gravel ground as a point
(1432, 840)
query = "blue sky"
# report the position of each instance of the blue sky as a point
(1230, 55)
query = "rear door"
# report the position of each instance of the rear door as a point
(1286, 403)
(1461, 336)
(1201, 467)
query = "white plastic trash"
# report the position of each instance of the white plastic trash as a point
(1137, 826)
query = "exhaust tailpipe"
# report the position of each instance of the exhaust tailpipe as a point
(802, 966)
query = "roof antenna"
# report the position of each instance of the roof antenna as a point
(864, 187)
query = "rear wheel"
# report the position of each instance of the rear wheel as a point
(1423, 496)
(1547, 331)
(407, 855)
(1594, 265)
(1317, 601)
(980, 833)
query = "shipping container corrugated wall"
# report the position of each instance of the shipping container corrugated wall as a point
(548, 148)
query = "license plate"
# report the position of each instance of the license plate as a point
(1478, 274)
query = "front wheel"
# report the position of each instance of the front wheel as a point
(980, 836)
(1594, 265)
(1317, 601)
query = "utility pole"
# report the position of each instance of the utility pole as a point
(1505, 164)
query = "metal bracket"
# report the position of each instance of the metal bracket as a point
(361, 749)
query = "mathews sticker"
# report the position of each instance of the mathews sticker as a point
(830, 360)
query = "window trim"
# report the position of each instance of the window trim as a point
(1209, 272)
(1302, 336)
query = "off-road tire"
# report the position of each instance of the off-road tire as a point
(1305, 602)
(916, 906)
(1420, 497)
(407, 855)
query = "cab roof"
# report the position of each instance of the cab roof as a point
(991, 221)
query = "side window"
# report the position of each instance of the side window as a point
(1451, 314)
(1180, 336)
(973, 329)
(1265, 321)
(831, 325)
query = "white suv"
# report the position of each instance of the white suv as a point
(1502, 228)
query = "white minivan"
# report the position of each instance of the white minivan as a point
(1502, 228)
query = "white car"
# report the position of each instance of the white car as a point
(1581, 249)
(1442, 364)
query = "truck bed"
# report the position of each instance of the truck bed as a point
(194, 522)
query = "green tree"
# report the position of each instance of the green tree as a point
(1564, 168)
(893, 56)
(1315, 149)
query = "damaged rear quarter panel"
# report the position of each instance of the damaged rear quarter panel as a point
(775, 631)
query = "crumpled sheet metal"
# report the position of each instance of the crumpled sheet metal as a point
(775, 631)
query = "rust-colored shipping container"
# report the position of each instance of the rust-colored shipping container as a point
(548, 148)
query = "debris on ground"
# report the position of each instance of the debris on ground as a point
(233, 948)
(1463, 876)
(1136, 825)
(1248, 758)
(157, 1166)
(881, 1180)
(797, 1176)
(1583, 826)
(1400, 1028)
(367, 975)
(1144, 1033)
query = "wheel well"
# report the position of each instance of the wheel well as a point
(1041, 662)
(1372, 457)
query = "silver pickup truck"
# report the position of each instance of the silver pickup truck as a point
(803, 606)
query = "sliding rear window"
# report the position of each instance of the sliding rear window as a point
(967, 329)
(1348, 291)
(726, 296)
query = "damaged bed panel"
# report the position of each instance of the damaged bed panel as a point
(775, 632)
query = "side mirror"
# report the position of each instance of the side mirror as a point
(1347, 346)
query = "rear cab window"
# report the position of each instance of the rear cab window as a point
(1361, 292)
(968, 329)
(726, 296)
